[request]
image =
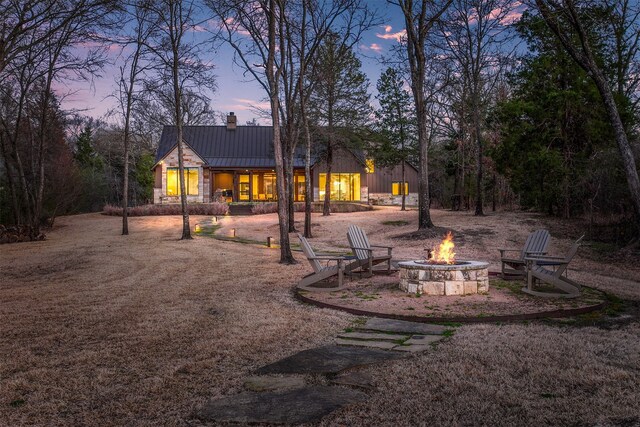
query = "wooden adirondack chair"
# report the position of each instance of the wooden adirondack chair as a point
(556, 275)
(536, 244)
(363, 250)
(320, 272)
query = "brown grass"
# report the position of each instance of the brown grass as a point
(101, 329)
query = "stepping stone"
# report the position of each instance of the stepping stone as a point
(326, 360)
(273, 383)
(416, 348)
(402, 326)
(372, 336)
(423, 339)
(303, 405)
(354, 379)
(385, 345)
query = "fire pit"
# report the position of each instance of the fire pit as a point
(443, 275)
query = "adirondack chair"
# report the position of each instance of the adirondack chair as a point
(536, 244)
(363, 250)
(556, 275)
(320, 272)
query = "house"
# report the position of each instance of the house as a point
(236, 164)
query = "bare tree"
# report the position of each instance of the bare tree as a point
(130, 73)
(255, 31)
(178, 66)
(565, 21)
(420, 17)
(475, 34)
(45, 52)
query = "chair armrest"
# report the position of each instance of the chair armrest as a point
(362, 249)
(388, 248)
(544, 258)
(531, 262)
(328, 258)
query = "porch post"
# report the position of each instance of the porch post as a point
(251, 186)
(236, 187)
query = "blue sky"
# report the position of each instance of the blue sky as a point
(236, 92)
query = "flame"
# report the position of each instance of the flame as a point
(445, 254)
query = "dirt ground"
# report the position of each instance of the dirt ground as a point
(101, 329)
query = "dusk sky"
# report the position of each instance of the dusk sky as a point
(236, 92)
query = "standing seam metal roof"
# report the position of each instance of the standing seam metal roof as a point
(244, 147)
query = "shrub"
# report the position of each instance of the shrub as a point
(173, 209)
(265, 208)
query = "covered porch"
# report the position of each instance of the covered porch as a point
(251, 185)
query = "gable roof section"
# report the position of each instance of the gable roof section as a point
(244, 147)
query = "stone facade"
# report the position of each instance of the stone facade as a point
(386, 199)
(190, 160)
(469, 278)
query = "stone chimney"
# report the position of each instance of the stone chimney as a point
(232, 121)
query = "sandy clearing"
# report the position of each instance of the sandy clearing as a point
(100, 329)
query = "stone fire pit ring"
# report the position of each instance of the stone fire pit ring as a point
(461, 278)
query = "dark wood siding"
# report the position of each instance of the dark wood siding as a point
(343, 162)
(380, 181)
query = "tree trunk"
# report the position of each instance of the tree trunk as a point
(286, 257)
(404, 196)
(290, 189)
(125, 178)
(307, 177)
(326, 208)
(476, 122)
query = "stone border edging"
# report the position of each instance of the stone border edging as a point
(554, 314)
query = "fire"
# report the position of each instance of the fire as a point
(445, 254)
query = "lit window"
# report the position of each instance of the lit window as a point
(370, 167)
(344, 186)
(395, 188)
(190, 181)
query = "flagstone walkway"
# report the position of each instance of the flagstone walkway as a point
(310, 384)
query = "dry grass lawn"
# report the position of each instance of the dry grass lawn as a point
(100, 329)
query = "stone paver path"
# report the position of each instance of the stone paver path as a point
(279, 393)
(396, 335)
(301, 405)
(326, 360)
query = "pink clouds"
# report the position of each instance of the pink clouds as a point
(390, 35)
(373, 47)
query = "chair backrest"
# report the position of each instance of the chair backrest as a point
(358, 239)
(573, 250)
(536, 242)
(309, 253)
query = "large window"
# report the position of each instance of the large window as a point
(264, 187)
(344, 186)
(395, 188)
(190, 181)
(243, 183)
(299, 187)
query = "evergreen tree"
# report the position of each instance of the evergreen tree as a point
(395, 122)
(556, 137)
(339, 103)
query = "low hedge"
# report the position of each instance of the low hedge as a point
(173, 209)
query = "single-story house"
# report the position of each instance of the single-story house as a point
(236, 164)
